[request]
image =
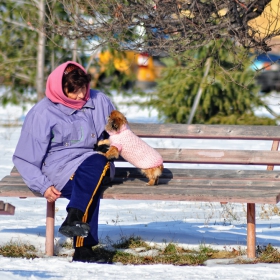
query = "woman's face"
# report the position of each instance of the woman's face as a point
(79, 94)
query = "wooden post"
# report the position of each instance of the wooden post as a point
(251, 230)
(274, 147)
(49, 246)
(251, 215)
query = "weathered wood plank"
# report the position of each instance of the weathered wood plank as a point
(134, 190)
(7, 208)
(218, 174)
(190, 194)
(258, 175)
(131, 172)
(239, 190)
(204, 156)
(14, 172)
(227, 174)
(203, 185)
(16, 180)
(207, 156)
(165, 185)
(244, 132)
(215, 156)
(17, 190)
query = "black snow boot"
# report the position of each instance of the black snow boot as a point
(73, 225)
(85, 254)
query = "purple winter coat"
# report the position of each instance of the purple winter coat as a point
(56, 139)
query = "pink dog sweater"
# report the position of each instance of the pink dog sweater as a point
(133, 149)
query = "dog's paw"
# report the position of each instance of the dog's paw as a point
(153, 181)
(150, 183)
(112, 153)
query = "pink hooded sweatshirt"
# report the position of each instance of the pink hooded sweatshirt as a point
(54, 88)
(134, 149)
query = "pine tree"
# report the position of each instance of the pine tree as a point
(229, 94)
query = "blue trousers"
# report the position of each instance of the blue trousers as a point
(84, 194)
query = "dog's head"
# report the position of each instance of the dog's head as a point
(115, 121)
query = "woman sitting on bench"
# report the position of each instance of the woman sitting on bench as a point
(55, 153)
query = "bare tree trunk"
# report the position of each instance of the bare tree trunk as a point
(74, 53)
(40, 80)
(199, 92)
(75, 45)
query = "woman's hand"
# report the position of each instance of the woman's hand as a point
(52, 194)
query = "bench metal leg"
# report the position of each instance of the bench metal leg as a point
(49, 247)
(251, 230)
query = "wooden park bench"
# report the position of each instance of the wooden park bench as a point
(230, 184)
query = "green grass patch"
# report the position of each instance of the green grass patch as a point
(169, 254)
(133, 250)
(130, 242)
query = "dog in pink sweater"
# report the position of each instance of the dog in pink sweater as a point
(133, 149)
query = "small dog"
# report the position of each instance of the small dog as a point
(124, 142)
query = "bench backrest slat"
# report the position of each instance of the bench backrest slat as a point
(216, 156)
(184, 131)
(209, 156)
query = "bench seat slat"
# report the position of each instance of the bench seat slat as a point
(174, 191)
(246, 132)
(192, 194)
(19, 190)
(126, 172)
(202, 184)
(231, 174)
(12, 180)
(14, 172)
(192, 189)
(6, 208)
(130, 172)
(208, 174)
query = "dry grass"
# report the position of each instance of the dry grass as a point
(269, 255)
(126, 252)
(18, 250)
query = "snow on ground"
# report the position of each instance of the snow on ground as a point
(188, 224)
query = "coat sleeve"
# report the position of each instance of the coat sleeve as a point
(108, 108)
(31, 150)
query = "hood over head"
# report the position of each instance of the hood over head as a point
(54, 89)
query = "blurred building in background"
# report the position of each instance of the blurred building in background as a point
(140, 68)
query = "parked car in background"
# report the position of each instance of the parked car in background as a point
(269, 77)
